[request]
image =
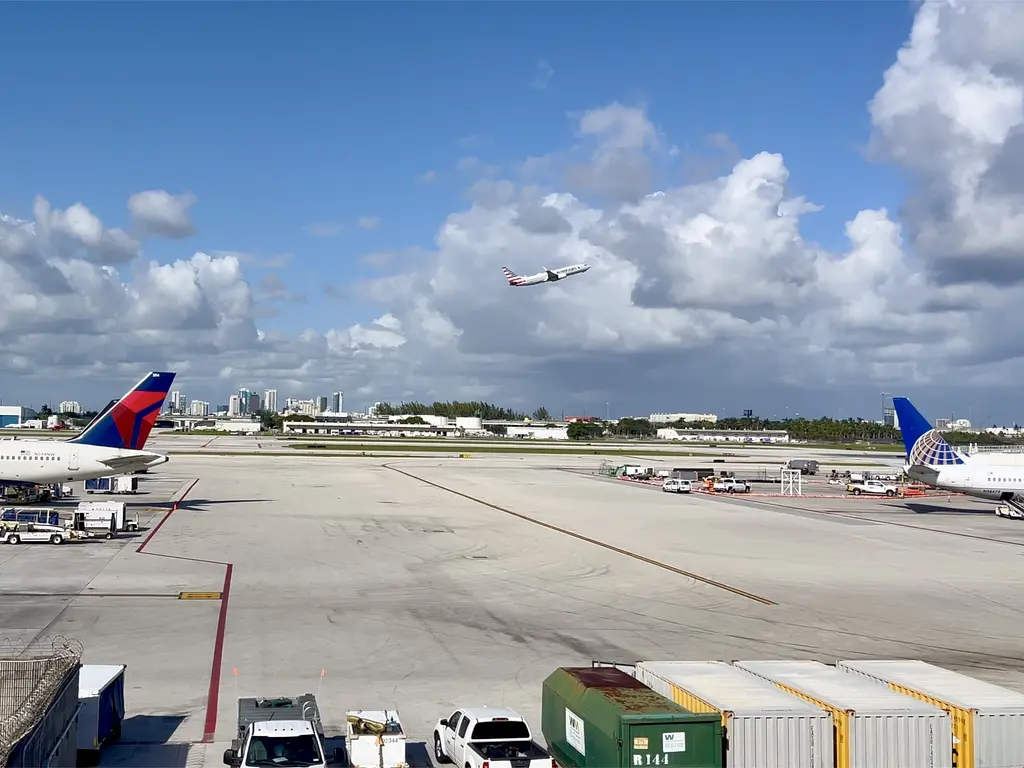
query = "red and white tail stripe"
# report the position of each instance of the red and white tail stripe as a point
(512, 277)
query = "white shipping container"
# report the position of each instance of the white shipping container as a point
(765, 726)
(875, 727)
(987, 719)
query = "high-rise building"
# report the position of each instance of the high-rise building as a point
(336, 402)
(199, 408)
(234, 406)
(321, 404)
(243, 399)
(270, 400)
(254, 403)
(70, 406)
(178, 402)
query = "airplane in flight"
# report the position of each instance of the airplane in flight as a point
(547, 276)
(112, 443)
(933, 461)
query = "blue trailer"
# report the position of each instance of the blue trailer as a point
(101, 697)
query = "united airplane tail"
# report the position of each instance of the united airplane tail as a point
(925, 446)
(128, 422)
(512, 277)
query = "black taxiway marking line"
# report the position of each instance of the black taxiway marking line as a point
(604, 545)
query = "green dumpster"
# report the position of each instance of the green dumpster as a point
(601, 717)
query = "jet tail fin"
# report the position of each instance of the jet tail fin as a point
(512, 277)
(127, 422)
(924, 445)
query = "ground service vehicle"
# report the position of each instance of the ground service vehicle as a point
(674, 485)
(102, 510)
(375, 739)
(602, 717)
(278, 731)
(731, 485)
(806, 466)
(488, 737)
(873, 487)
(16, 533)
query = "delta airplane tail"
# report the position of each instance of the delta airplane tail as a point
(128, 422)
(925, 446)
(512, 277)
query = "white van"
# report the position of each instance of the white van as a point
(675, 485)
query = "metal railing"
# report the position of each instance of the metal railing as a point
(32, 676)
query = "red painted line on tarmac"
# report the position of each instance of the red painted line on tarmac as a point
(213, 697)
(166, 517)
(213, 693)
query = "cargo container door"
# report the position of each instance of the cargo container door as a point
(687, 745)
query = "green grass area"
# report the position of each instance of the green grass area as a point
(582, 450)
(289, 454)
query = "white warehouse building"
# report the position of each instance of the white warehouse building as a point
(669, 418)
(15, 415)
(538, 432)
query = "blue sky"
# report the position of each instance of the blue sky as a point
(279, 115)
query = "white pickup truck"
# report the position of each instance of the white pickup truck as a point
(730, 485)
(488, 736)
(874, 487)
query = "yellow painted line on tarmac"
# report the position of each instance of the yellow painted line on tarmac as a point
(199, 595)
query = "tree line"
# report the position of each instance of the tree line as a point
(823, 430)
(457, 409)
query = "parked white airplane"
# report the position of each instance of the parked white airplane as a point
(111, 444)
(933, 461)
(547, 276)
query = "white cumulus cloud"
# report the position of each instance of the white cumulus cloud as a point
(162, 214)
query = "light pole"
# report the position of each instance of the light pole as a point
(607, 412)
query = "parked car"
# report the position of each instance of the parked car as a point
(675, 485)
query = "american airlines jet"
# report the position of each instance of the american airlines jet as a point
(111, 444)
(933, 461)
(547, 276)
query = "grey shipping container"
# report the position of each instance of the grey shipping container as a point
(987, 719)
(874, 727)
(765, 727)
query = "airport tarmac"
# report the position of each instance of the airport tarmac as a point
(425, 584)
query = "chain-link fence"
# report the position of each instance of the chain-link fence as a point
(38, 681)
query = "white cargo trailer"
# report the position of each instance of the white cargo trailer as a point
(874, 727)
(375, 739)
(987, 719)
(101, 701)
(765, 727)
(102, 511)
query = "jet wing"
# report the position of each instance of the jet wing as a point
(116, 462)
(551, 274)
